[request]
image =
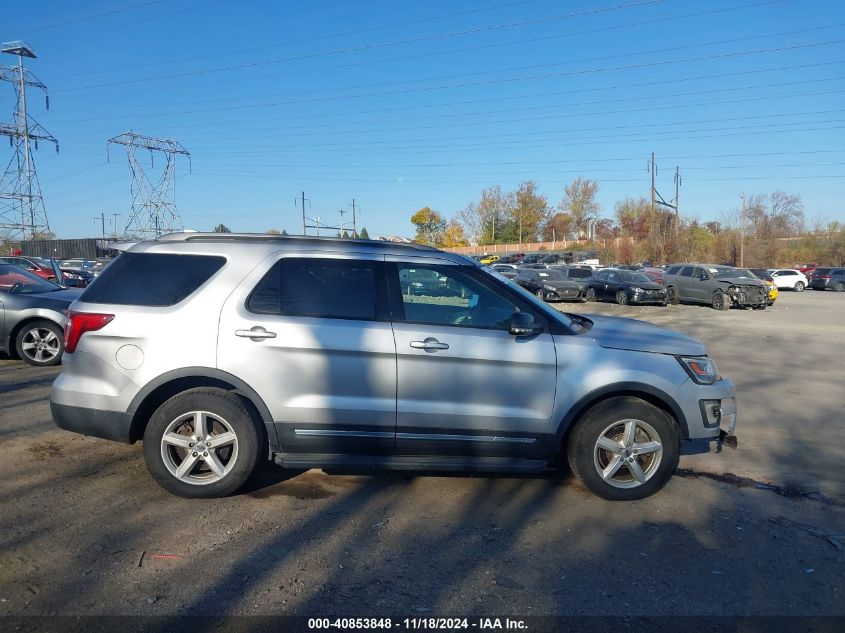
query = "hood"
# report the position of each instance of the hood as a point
(560, 283)
(639, 336)
(645, 285)
(741, 281)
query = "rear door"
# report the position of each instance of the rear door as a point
(465, 385)
(313, 337)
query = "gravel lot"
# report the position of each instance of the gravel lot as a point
(86, 531)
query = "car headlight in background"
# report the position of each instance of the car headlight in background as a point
(549, 288)
(636, 289)
(700, 368)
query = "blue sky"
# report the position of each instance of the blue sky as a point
(403, 104)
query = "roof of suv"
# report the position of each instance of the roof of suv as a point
(249, 242)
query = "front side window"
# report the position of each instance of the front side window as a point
(449, 295)
(686, 271)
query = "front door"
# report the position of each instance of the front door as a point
(465, 385)
(313, 337)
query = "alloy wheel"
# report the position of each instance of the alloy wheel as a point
(627, 453)
(40, 345)
(199, 448)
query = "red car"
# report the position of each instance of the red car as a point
(807, 269)
(41, 267)
(655, 273)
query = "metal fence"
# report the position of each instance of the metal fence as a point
(87, 248)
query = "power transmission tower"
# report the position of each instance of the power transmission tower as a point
(153, 210)
(656, 198)
(22, 209)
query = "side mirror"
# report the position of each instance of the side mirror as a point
(704, 277)
(523, 324)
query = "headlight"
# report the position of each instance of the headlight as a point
(549, 288)
(636, 289)
(700, 368)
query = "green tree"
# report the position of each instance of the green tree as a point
(222, 228)
(557, 227)
(430, 226)
(528, 211)
(364, 235)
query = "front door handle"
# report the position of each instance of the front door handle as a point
(256, 333)
(429, 344)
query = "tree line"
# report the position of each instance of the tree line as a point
(769, 229)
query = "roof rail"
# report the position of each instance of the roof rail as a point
(193, 236)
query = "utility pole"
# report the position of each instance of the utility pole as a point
(653, 170)
(354, 223)
(21, 204)
(342, 213)
(114, 224)
(677, 199)
(742, 233)
(302, 199)
(102, 220)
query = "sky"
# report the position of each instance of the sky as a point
(400, 105)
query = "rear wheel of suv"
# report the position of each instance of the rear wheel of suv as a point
(40, 343)
(672, 295)
(799, 286)
(624, 449)
(202, 443)
(720, 301)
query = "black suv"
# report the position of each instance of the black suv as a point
(824, 278)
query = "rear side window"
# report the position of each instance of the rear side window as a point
(328, 288)
(687, 271)
(579, 273)
(673, 270)
(151, 279)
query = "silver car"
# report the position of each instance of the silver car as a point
(221, 350)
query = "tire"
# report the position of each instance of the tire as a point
(839, 286)
(622, 297)
(611, 420)
(591, 295)
(720, 301)
(540, 295)
(224, 414)
(672, 295)
(799, 286)
(40, 343)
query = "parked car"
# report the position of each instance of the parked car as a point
(718, 286)
(553, 258)
(76, 277)
(655, 273)
(624, 287)
(533, 266)
(771, 287)
(828, 278)
(533, 258)
(44, 268)
(578, 275)
(549, 285)
(32, 316)
(506, 270)
(806, 269)
(788, 279)
(488, 259)
(304, 350)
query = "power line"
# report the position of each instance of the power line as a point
(355, 49)
(91, 17)
(490, 81)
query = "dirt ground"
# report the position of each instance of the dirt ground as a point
(84, 530)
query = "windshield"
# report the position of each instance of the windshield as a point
(639, 278)
(15, 280)
(725, 272)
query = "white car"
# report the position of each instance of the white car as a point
(788, 279)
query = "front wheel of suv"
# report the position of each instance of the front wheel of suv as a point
(799, 286)
(721, 301)
(624, 449)
(672, 295)
(202, 443)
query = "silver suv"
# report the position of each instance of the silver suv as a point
(223, 350)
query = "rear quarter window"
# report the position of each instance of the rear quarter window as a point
(152, 279)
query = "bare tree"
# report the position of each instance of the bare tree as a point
(579, 201)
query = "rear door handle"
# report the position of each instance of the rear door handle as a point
(256, 333)
(429, 344)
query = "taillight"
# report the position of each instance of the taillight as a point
(78, 323)
(824, 276)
